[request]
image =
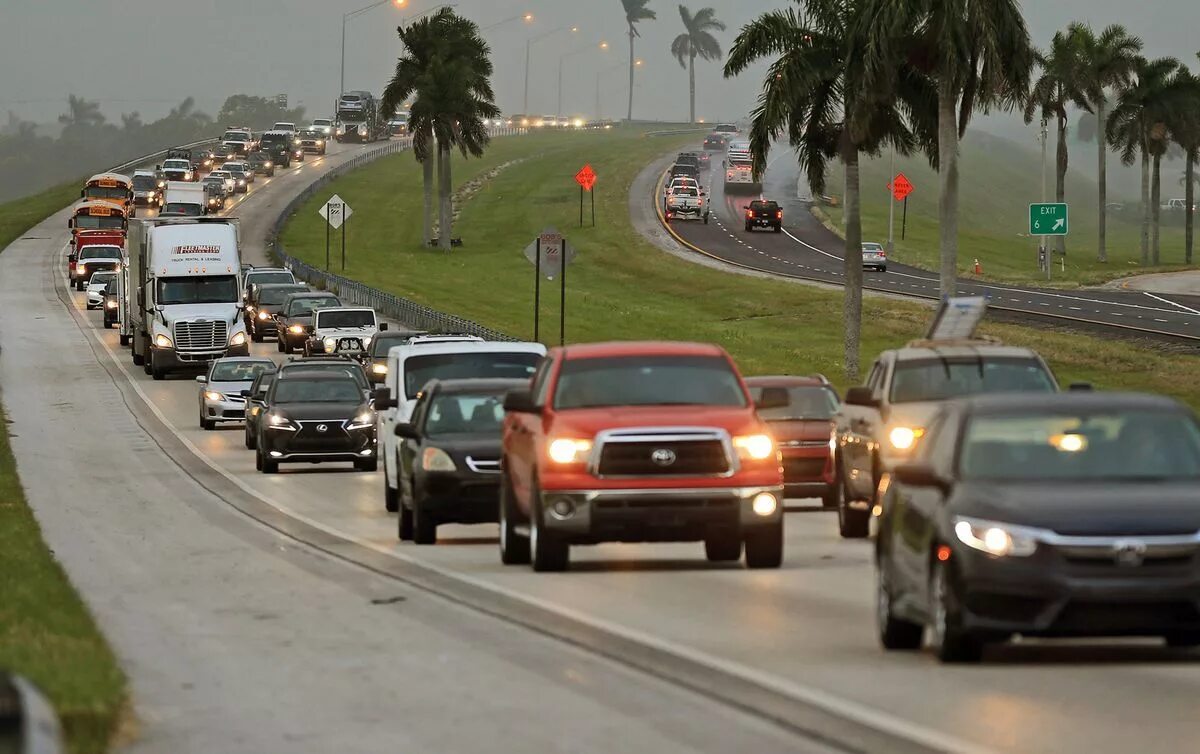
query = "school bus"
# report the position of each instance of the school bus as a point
(98, 214)
(110, 187)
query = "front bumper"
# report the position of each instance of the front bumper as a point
(658, 514)
(230, 409)
(463, 497)
(95, 299)
(169, 358)
(298, 446)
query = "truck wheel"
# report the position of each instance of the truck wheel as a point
(764, 548)
(424, 526)
(107, 325)
(723, 548)
(547, 552)
(852, 524)
(514, 549)
(155, 370)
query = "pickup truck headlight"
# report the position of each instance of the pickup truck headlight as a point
(162, 341)
(904, 438)
(996, 539)
(755, 447)
(566, 450)
(330, 344)
(436, 459)
(263, 316)
(296, 329)
(379, 368)
(238, 339)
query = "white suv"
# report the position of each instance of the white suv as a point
(329, 325)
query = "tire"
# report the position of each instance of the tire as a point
(949, 642)
(258, 456)
(124, 340)
(391, 498)
(547, 553)
(778, 228)
(724, 548)
(255, 335)
(830, 500)
(1183, 639)
(706, 219)
(514, 549)
(157, 373)
(138, 359)
(883, 269)
(368, 465)
(424, 525)
(749, 228)
(251, 440)
(146, 364)
(269, 466)
(207, 424)
(280, 343)
(405, 523)
(764, 548)
(107, 325)
(852, 524)
(894, 633)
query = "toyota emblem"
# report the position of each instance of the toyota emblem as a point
(663, 456)
(322, 427)
(1129, 552)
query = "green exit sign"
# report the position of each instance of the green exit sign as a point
(1048, 220)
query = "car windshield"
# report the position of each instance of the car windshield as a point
(317, 391)
(271, 295)
(648, 381)
(177, 165)
(100, 252)
(383, 343)
(239, 371)
(303, 307)
(185, 209)
(235, 136)
(872, 247)
(101, 278)
(354, 318)
(335, 366)
(145, 183)
(215, 289)
(1103, 446)
(465, 413)
(267, 278)
(939, 380)
(422, 368)
(807, 402)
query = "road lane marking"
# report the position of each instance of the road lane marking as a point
(1172, 303)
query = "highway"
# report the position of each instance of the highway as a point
(269, 613)
(806, 249)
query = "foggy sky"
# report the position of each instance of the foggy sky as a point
(146, 55)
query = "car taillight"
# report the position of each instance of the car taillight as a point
(749, 213)
(779, 215)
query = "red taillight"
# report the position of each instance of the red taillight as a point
(779, 215)
(749, 213)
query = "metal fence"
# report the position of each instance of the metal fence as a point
(407, 312)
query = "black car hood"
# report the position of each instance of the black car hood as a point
(297, 319)
(320, 411)
(484, 447)
(1098, 509)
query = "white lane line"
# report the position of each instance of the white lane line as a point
(1172, 303)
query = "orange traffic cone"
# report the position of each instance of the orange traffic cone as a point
(978, 268)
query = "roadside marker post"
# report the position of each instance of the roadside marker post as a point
(549, 253)
(586, 178)
(899, 187)
(336, 212)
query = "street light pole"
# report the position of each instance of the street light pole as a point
(528, 45)
(355, 13)
(562, 58)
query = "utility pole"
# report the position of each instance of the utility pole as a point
(1042, 251)
(525, 102)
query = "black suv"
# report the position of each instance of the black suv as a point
(262, 163)
(263, 303)
(763, 213)
(294, 320)
(310, 418)
(279, 145)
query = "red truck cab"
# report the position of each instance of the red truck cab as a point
(113, 240)
(801, 422)
(638, 442)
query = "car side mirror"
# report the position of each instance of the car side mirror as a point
(520, 402)
(407, 431)
(245, 393)
(921, 475)
(383, 327)
(861, 396)
(772, 397)
(384, 400)
(202, 379)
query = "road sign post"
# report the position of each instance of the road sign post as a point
(586, 178)
(550, 254)
(900, 187)
(1048, 219)
(336, 212)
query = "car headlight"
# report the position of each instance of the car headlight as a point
(996, 539)
(162, 184)
(213, 395)
(263, 316)
(267, 164)
(238, 339)
(365, 420)
(111, 304)
(249, 309)
(436, 459)
(366, 342)
(904, 438)
(567, 450)
(379, 368)
(330, 344)
(162, 341)
(278, 421)
(296, 329)
(755, 447)
(241, 181)
(296, 141)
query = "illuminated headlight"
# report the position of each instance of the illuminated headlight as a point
(110, 304)
(436, 459)
(565, 450)
(249, 309)
(365, 420)
(268, 165)
(379, 369)
(764, 504)
(296, 142)
(277, 421)
(755, 447)
(162, 184)
(330, 344)
(296, 329)
(996, 539)
(241, 182)
(162, 341)
(366, 342)
(263, 316)
(904, 438)
(213, 395)
(238, 339)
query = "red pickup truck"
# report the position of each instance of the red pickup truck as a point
(638, 442)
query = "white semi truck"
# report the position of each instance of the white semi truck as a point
(184, 293)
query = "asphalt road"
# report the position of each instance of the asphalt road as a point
(228, 595)
(807, 249)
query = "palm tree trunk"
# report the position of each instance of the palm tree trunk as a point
(948, 197)
(427, 176)
(1155, 209)
(853, 292)
(1145, 240)
(692, 88)
(1102, 140)
(1189, 200)
(1060, 185)
(629, 116)
(445, 219)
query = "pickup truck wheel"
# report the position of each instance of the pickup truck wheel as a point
(852, 524)
(547, 552)
(424, 525)
(778, 228)
(107, 325)
(514, 549)
(749, 227)
(764, 548)
(723, 548)
(157, 372)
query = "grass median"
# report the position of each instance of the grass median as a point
(46, 631)
(621, 287)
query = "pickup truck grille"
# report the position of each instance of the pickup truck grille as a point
(203, 335)
(669, 453)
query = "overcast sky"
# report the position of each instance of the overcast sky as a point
(146, 55)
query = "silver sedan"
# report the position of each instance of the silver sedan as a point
(221, 388)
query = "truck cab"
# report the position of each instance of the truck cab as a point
(184, 200)
(331, 325)
(686, 202)
(638, 442)
(764, 213)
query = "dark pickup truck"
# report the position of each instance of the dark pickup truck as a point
(762, 213)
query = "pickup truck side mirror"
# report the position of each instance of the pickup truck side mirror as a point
(384, 400)
(861, 396)
(772, 397)
(921, 475)
(383, 327)
(407, 431)
(520, 402)
(245, 393)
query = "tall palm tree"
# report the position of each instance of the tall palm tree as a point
(696, 41)
(1136, 126)
(979, 54)
(1183, 122)
(635, 12)
(81, 112)
(815, 92)
(1056, 87)
(1108, 60)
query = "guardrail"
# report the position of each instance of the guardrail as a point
(161, 153)
(405, 311)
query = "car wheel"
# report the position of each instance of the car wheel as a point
(831, 498)
(948, 640)
(280, 343)
(547, 552)
(255, 335)
(514, 549)
(424, 526)
(852, 524)
(124, 340)
(723, 548)
(251, 443)
(1183, 639)
(107, 325)
(391, 497)
(764, 547)
(207, 424)
(883, 269)
(269, 465)
(894, 633)
(258, 456)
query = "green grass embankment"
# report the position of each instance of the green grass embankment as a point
(621, 287)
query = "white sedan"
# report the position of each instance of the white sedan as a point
(95, 288)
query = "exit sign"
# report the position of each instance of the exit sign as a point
(1048, 220)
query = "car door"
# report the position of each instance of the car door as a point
(408, 451)
(920, 507)
(521, 434)
(858, 444)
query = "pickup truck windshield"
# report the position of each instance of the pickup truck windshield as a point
(648, 381)
(272, 295)
(937, 380)
(469, 365)
(345, 319)
(177, 165)
(213, 289)
(809, 402)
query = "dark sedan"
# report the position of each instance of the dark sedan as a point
(263, 303)
(314, 418)
(294, 320)
(1073, 514)
(449, 459)
(256, 402)
(112, 303)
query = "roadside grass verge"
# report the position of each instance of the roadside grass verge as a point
(47, 633)
(622, 287)
(999, 179)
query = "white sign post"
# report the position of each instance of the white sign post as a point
(336, 212)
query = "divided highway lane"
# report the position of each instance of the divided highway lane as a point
(805, 632)
(807, 249)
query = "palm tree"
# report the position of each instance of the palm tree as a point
(635, 12)
(979, 55)
(81, 112)
(816, 93)
(1183, 122)
(1057, 87)
(1136, 126)
(1107, 62)
(696, 41)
